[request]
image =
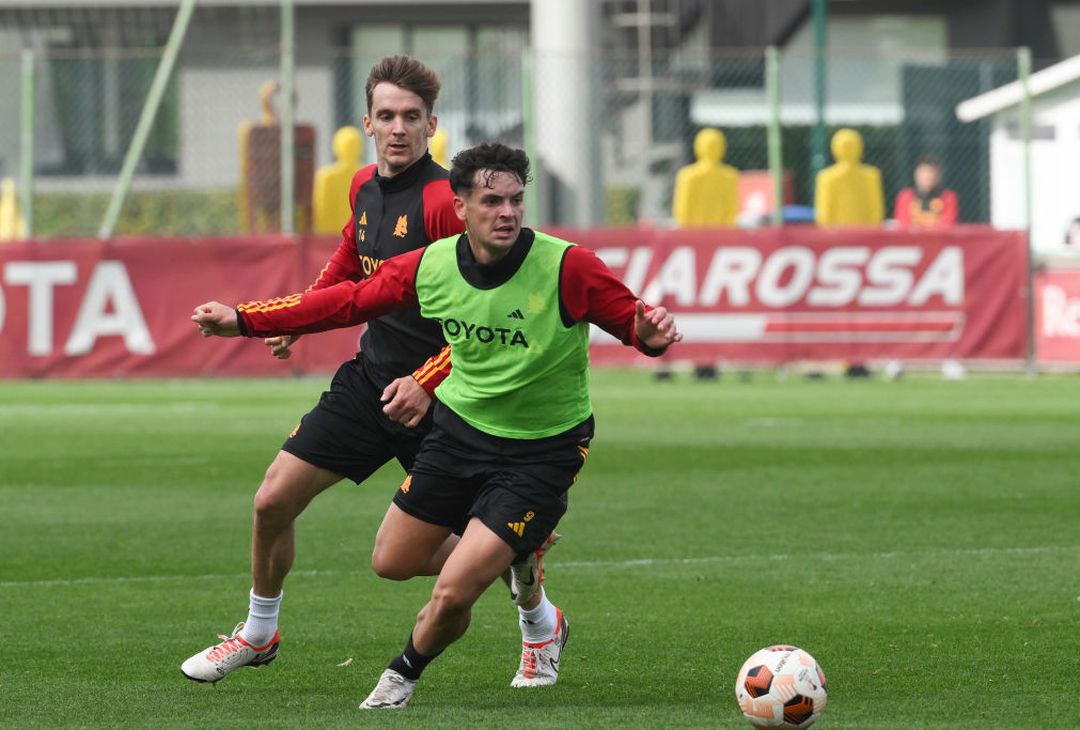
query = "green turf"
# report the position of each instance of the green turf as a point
(920, 538)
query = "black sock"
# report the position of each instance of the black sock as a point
(410, 663)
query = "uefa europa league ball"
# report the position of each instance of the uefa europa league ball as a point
(781, 686)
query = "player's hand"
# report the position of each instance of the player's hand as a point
(214, 319)
(656, 327)
(406, 401)
(279, 346)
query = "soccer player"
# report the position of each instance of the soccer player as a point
(513, 420)
(374, 410)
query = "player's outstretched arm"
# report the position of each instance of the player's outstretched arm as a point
(656, 327)
(214, 319)
(343, 265)
(347, 303)
(591, 292)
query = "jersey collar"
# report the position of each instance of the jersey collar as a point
(404, 179)
(489, 276)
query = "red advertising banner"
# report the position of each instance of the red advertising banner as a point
(801, 293)
(89, 308)
(1057, 316)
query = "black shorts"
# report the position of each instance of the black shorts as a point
(347, 431)
(516, 487)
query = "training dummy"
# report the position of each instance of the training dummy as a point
(330, 200)
(707, 191)
(849, 193)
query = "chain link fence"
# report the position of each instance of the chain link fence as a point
(904, 110)
(89, 90)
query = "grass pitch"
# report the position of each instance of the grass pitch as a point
(919, 538)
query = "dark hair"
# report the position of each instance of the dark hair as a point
(929, 160)
(490, 156)
(409, 74)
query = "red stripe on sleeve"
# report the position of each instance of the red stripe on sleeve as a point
(434, 371)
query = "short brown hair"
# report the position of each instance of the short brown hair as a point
(409, 74)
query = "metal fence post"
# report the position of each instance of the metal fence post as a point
(819, 14)
(26, 143)
(528, 126)
(775, 149)
(287, 204)
(146, 118)
(1023, 69)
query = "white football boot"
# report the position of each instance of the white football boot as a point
(526, 576)
(391, 693)
(540, 661)
(213, 663)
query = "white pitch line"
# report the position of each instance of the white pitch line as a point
(105, 409)
(114, 580)
(816, 556)
(573, 565)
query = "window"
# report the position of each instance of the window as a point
(92, 82)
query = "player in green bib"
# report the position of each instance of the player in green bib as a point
(513, 420)
(518, 371)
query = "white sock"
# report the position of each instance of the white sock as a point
(262, 619)
(540, 623)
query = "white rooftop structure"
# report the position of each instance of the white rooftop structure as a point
(1055, 142)
(1003, 97)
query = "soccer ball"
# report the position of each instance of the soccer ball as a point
(781, 686)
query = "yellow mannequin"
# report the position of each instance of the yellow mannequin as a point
(437, 146)
(849, 193)
(707, 191)
(12, 226)
(330, 199)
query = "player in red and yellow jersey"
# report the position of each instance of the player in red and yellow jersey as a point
(374, 410)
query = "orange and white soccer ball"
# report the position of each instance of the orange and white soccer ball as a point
(781, 686)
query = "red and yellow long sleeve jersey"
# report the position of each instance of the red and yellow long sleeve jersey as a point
(588, 291)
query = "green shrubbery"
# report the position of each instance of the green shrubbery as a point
(159, 213)
(622, 205)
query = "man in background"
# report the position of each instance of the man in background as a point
(927, 204)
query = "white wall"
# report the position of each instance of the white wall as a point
(1055, 170)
